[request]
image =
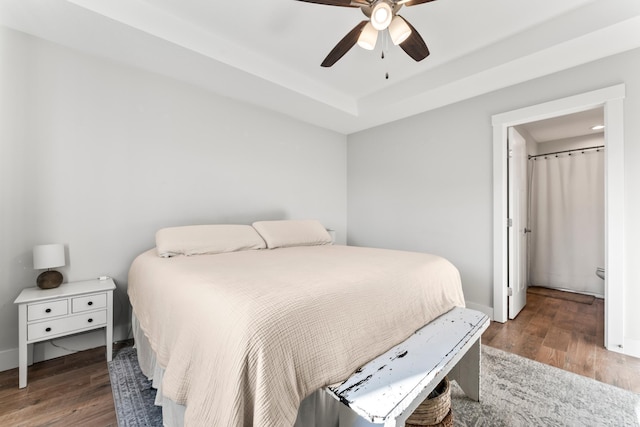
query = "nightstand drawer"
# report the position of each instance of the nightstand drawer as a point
(47, 310)
(66, 325)
(88, 302)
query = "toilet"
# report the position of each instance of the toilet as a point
(600, 272)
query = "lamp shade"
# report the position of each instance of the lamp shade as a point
(368, 37)
(399, 30)
(48, 256)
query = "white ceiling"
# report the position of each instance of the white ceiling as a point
(564, 127)
(268, 52)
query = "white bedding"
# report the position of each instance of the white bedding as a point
(317, 410)
(243, 337)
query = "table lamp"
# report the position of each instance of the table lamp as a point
(48, 256)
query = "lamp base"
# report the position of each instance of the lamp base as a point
(49, 279)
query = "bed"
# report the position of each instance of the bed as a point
(242, 325)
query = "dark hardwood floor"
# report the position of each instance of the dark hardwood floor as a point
(568, 335)
(75, 390)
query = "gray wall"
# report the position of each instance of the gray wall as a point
(425, 183)
(98, 156)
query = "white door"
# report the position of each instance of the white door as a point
(518, 194)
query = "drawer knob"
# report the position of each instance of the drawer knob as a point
(90, 320)
(90, 303)
(48, 330)
(48, 310)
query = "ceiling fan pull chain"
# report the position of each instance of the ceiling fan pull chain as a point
(385, 43)
(385, 48)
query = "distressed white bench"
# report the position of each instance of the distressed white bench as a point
(389, 388)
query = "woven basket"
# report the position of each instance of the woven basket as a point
(447, 421)
(434, 411)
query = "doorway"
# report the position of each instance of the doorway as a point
(556, 206)
(566, 201)
(611, 100)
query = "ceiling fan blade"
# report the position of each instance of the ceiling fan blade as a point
(414, 2)
(343, 3)
(414, 45)
(344, 45)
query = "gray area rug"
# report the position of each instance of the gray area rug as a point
(515, 392)
(133, 395)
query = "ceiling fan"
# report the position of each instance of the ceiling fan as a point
(382, 14)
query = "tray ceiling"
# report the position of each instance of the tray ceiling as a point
(268, 53)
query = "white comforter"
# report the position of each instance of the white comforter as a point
(245, 336)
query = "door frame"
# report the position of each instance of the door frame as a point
(611, 99)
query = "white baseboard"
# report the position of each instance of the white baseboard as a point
(60, 347)
(67, 345)
(8, 359)
(631, 347)
(483, 308)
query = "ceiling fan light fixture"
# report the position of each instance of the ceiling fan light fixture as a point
(399, 30)
(368, 37)
(381, 15)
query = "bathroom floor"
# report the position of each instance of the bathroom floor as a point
(567, 334)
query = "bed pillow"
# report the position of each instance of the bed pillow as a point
(207, 239)
(287, 233)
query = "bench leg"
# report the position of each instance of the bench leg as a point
(467, 372)
(348, 418)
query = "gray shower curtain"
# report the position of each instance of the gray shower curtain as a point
(567, 221)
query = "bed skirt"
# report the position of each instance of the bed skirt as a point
(317, 410)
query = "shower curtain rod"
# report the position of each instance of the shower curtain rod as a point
(567, 151)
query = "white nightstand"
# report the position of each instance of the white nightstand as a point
(72, 307)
